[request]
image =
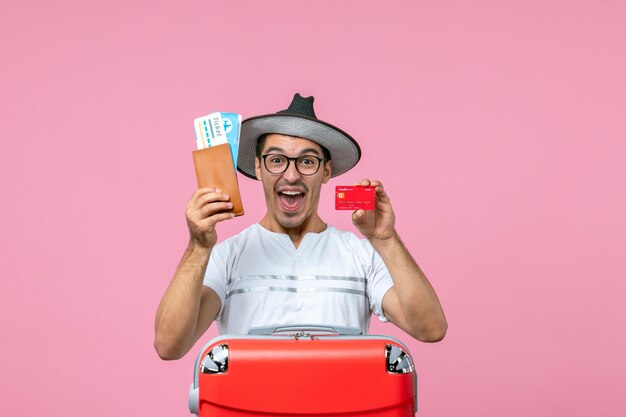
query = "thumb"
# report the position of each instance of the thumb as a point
(357, 217)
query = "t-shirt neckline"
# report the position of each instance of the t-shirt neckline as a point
(285, 237)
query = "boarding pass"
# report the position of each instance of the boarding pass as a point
(219, 128)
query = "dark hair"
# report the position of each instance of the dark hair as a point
(260, 143)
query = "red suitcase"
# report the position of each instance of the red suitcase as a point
(304, 370)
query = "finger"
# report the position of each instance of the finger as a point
(364, 182)
(378, 186)
(199, 193)
(204, 207)
(205, 190)
(210, 198)
(382, 197)
(213, 208)
(210, 222)
(381, 194)
(357, 215)
(205, 199)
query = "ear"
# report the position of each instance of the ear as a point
(257, 168)
(327, 171)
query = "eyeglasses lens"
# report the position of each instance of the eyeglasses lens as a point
(305, 165)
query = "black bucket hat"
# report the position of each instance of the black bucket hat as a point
(297, 120)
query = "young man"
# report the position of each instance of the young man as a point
(291, 267)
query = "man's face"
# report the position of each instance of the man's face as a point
(291, 197)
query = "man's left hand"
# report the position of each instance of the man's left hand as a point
(380, 222)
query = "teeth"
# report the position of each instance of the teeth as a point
(291, 192)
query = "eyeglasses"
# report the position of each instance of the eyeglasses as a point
(276, 163)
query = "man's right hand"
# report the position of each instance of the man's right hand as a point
(188, 307)
(204, 210)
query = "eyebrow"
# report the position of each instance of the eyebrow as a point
(302, 152)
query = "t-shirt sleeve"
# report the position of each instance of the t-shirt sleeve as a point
(378, 282)
(216, 275)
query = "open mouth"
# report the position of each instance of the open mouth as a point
(291, 200)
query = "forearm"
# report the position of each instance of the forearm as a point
(178, 312)
(418, 301)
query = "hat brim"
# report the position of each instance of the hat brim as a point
(344, 150)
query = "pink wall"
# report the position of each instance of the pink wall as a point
(498, 128)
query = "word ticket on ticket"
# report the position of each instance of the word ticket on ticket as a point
(355, 197)
(210, 130)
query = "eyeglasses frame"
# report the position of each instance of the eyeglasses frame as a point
(289, 159)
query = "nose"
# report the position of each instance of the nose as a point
(291, 174)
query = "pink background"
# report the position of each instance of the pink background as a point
(498, 129)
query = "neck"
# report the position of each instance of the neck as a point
(314, 224)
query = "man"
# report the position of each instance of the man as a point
(291, 267)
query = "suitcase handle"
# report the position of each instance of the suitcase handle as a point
(340, 330)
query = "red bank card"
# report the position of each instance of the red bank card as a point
(354, 197)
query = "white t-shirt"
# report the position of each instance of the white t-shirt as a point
(332, 278)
